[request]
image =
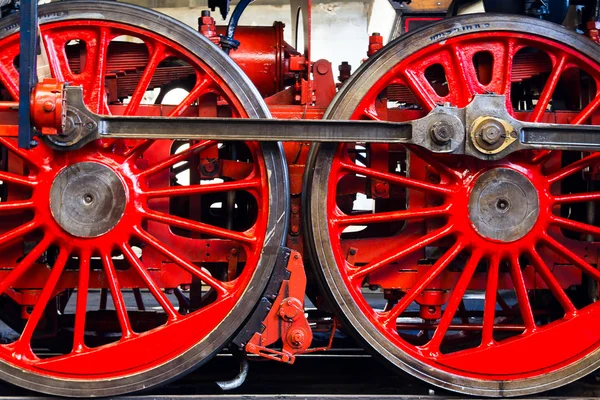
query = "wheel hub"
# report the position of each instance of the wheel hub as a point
(87, 199)
(503, 205)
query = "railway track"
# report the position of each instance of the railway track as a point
(344, 376)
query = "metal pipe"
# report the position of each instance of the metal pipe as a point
(229, 43)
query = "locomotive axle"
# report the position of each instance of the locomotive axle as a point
(483, 129)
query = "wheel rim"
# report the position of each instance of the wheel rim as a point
(167, 200)
(436, 240)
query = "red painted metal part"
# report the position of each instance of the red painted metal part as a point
(163, 218)
(420, 253)
(48, 110)
(286, 321)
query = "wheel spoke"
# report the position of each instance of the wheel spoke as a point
(587, 111)
(575, 225)
(423, 282)
(507, 69)
(461, 87)
(25, 264)
(175, 191)
(405, 250)
(33, 156)
(57, 59)
(188, 266)
(199, 227)
(150, 283)
(397, 179)
(9, 77)
(139, 149)
(16, 205)
(574, 168)
(456, 299)
(577, 261)
(117, 296)
(45, 295)
(196, 92)
(157, 56)
(433, 160)
(18, 233)
(16, 179)
(390, 216)
(551, 281)
(577, 198)
(81, 306)
(420, 89)
(489, 306)
(521, 291)
(97, 87)
(548, 91)
(179, 157)
(370, 113)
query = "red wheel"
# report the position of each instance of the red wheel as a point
(472, 275)
(127, 263)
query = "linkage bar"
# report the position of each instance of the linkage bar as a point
(256, 129)
(484, 129)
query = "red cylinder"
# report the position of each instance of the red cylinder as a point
(262, 56)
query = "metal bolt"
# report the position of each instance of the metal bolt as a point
(209, 167)
(296, 337)
(295, 209)
(441, 132)
(322, 68)
(89, 125)
(380, 188)
(49, 106)
(295, 229)
(233, 252)
(492, 132)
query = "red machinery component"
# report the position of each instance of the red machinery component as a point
(461, 271)
(286, 320)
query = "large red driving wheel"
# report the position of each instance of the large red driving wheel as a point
(127, 263)
(477, 276)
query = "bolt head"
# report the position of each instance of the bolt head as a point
(322, 68)
(492, 132)
(441, 132)
(49, 106)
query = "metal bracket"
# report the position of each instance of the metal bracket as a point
(286, 320)
(265, 304)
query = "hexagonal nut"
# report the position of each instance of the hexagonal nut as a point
(296, 337)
